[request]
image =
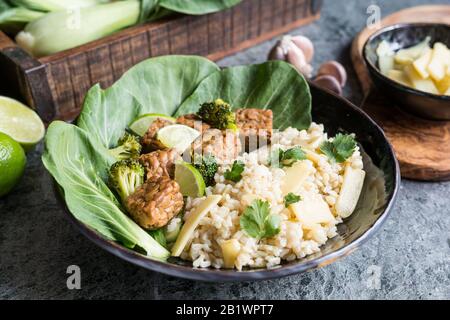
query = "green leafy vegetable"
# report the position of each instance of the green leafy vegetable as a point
(258, 222)
(291, 198)
(80, 167)
(157, 85)
(272, 85)
(197, 7)
(235, 174)
(280, 158)
(340, 149)
(148, 7)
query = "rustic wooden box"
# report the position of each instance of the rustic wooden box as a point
(56, 85)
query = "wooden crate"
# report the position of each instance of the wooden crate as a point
(55, 85)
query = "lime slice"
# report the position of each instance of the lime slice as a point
(143, 122)
(20, 123)
(190, 180)
(12, 163)
(177, 136)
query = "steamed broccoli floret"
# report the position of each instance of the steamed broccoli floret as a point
(127, 147)
(218, 114)
(125, 176)
(207, 166)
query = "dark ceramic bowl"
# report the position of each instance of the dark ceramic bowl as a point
(379, 191)
(427, 105)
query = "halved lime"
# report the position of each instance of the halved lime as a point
(143, 122)
(12, 163)
(177, 136)
(190, 180)
(20, 123)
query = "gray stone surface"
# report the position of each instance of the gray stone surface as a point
(412, 250)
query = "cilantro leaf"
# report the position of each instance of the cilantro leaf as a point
(258, 222)
(291, 198)
(340, 149)
(280, 158)
(235, 174)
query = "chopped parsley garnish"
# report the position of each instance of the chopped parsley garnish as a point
(235, 174)
(340, 149)
(291, 198)
(281, 158)
(258, 222)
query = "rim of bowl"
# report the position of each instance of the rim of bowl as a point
(224, 275)
(396, 84)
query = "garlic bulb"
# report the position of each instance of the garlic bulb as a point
(297, 50)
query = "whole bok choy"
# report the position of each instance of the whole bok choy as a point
(61, 30)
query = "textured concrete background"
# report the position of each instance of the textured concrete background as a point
(412, 250)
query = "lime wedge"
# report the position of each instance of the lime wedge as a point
(20, 123)
(177, 136)
(143, 122)
(190, 180)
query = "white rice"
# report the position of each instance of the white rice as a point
(264, 182)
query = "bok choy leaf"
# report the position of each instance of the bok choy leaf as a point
(80, 168)
(275, 85)
(157, 85)
(197, 7)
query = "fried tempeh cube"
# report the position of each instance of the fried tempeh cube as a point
(155, 202)
(255, 127)
(149, 141)
(159, 163)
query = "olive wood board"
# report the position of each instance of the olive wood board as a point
(422, 146)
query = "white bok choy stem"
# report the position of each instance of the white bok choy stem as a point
(61, 30)
(55, 5)
(12, 20)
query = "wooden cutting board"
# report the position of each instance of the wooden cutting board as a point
(422, 146)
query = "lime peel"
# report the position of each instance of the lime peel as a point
(141, 124)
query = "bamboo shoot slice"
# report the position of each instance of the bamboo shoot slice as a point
(230, 251)
(296, 176)
(192, 222)
(311, 210)
(350, 191)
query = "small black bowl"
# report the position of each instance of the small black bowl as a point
(379, 192)
(427, 105)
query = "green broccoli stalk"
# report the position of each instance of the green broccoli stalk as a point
(207, 166)
(127, 147)
(125, 176)
(218, 114)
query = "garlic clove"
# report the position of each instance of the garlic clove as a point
(334, 69)
(305, 45)
(296, 57)
(277, 53)
(329, 82)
